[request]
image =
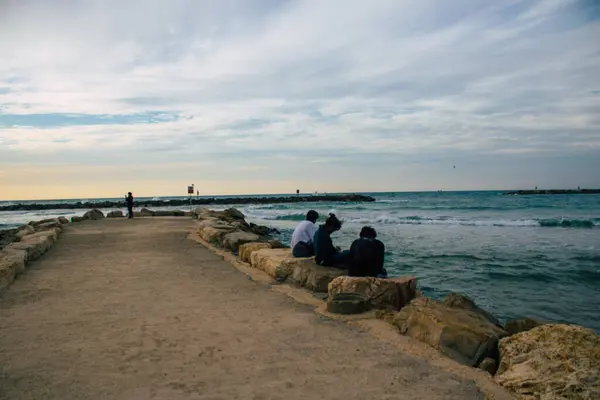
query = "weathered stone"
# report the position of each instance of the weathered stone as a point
(348, 303)
(213, 235)
(456, 300)
(515, 326)
(94, 214)
(202, 212)
(245, 251)
(233, 213)
(233, 240)
(489, 365)
(312, 276)
(115, 214)
(36, 244)
(12, 263)
(43, 221)
(278, 263)
(552, 361)
(24, 231)
(463, 335)
(144, 212)
(76, 219)
(276, 244)
(63, 220)
(49, 225)
(382, 293)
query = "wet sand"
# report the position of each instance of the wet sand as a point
(124, 309)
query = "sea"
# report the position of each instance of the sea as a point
(516, 256)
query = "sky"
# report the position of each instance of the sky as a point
(102, 97)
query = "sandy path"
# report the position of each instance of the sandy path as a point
(123, 309)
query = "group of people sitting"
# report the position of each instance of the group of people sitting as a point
(365, 257)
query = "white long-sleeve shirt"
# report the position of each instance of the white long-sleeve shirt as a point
(304, 232)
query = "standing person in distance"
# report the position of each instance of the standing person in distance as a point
(302, 238)
(129, 203)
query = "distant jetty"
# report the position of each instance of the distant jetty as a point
(554, 191)
(351, 198)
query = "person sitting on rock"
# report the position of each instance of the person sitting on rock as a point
(302, 238)
(367, 255)
(326, 253)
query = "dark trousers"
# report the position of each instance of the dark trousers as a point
(129, 212)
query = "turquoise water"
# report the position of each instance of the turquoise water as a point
(536, 256)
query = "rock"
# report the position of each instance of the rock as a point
(515, 326)
(188, 214)
(36, 244)
(48, 225)
(63, 220)
(456, 300)
(144, 212)
(246, 249)
(24, 231)
(233, 240)
(232, 213)
(312, 276)
(262, 230)
(94, 214)
(489, 365)
(202, 212)
(76, 219)
(348, 303)
(43, 221)
(213, 235)
(552, 361)
(278, 263)
(463, 335)
(276, 244)
(115, 214)
(382, 293)
(12, 263)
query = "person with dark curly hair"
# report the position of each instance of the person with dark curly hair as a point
(367, 255)
(326, 253)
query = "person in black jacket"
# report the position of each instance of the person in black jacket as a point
(129, 203)
(367, 255)
(326, 253)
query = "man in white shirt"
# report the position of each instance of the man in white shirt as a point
(302, 239)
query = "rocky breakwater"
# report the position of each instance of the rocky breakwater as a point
(534, 359)
(352, 198)
(20, 246)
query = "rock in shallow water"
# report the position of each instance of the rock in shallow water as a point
(456, 300)
(551, 361)
(515, 326)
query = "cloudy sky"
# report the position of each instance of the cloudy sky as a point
(101, 97)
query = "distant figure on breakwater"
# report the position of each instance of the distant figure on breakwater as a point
(367, 255)
(326, 253)
(129, 203)
(302, 238)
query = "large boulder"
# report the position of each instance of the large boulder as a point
(77, 219)
(456, 300)
(519, 325)
(54, 224)
(392, 293)
(115, 214)
(312, 276)
(144, 212)
(36, 244)
(94, 214)
(245, 251)
(12, 263)
(232, 214)
(463, 335)
(62, 220)
(43, 221)
(278, 263)
(233, 240)
(24, 231)
(551, 361)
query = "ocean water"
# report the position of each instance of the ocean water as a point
(535, 256)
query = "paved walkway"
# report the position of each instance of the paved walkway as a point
(123, 309)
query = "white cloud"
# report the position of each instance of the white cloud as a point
(272, 77)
